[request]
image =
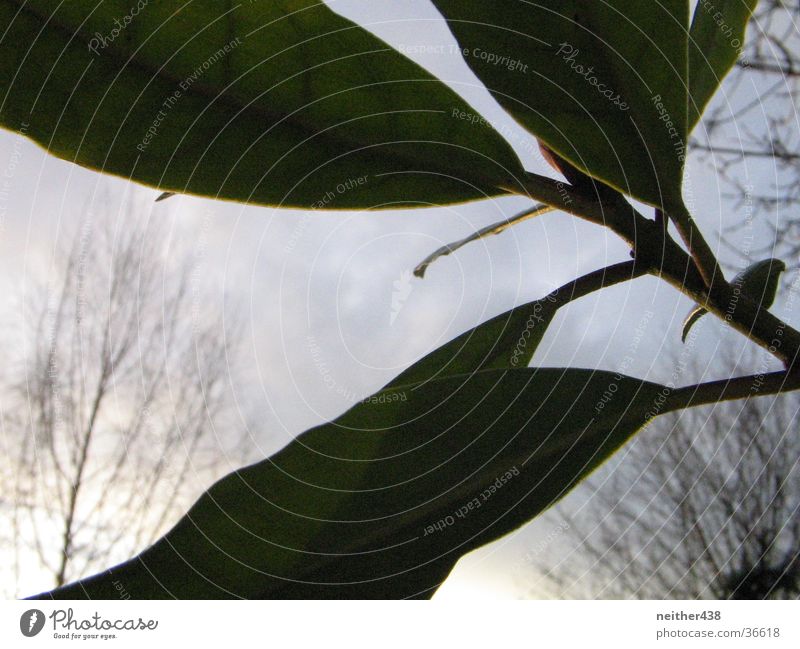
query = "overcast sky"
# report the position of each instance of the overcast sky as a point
(317, 289)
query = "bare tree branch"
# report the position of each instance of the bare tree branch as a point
(119, 390)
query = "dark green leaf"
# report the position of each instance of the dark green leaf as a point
(383, 501)
(603, 84)
(280, 103)
(715, 42)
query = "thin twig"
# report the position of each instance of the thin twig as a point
(489, 230)
(594, 281)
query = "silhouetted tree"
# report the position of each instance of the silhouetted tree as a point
(702, 504)
(752, 130)
(113, 407)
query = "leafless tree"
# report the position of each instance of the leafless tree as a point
(751, 133)
(704, 504)
(114, 410)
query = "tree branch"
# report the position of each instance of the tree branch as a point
(701, 252)
(489, 230)
(740, 387)
(760, 66)
(594, 281)
(665, 258)
(786, 156)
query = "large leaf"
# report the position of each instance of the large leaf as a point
(383, 501)
(271, 102)
(715, 43)
(602, 83)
